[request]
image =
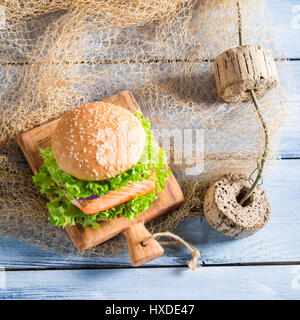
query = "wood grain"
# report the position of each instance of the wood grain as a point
(139, 253)
(84, 238)
(285, 29)
(247, 282)
(286, 25)
(277, 242)
(289, 81)
(239, 70)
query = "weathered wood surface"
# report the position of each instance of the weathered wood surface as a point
(252, 282)
(286, 25)
(289, 76)
(16, 254)
(285, 14)
(278, 242)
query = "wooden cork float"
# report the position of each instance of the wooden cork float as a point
(242, 74)
(224, 213)
(239, 70)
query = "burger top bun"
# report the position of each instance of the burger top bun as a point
(98, 141)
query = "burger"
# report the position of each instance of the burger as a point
(103, 163)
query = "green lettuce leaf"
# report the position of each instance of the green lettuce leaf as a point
(61, 187)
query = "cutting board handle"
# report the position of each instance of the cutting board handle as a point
(138, 253)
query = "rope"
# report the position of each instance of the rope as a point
(260, 165)
(240, 24)
(192, 264)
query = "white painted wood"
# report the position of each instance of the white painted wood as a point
(289, 75)
(286, 28)
(278, 241)
(286, 25)
(252, 282)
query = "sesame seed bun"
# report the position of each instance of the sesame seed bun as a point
(98, 141)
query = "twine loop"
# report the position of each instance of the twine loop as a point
(192, 263)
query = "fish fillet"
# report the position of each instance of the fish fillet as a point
(117, 197)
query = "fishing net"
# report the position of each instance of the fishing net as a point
(59, 54)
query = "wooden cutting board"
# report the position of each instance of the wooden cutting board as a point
(170, 198)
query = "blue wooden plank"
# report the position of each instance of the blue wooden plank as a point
(289, 74)
(286, 29)
(267, 245)
(252, 282)
(278, 242)
(286, 25)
